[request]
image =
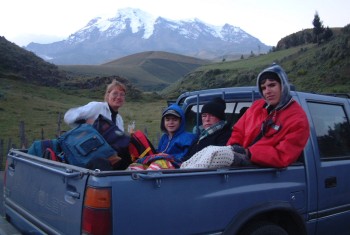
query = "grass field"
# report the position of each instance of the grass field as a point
(39, 108)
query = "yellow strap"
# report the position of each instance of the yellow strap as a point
(145, 152)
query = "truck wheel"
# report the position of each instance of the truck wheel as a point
(264, 228)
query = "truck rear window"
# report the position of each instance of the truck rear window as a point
(234, 110)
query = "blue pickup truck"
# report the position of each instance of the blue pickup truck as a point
(312, 196)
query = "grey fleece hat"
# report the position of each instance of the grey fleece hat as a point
(275, 72)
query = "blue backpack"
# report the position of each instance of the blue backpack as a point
(84, 144)
(40, 148)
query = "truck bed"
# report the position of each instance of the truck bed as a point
(51, 196)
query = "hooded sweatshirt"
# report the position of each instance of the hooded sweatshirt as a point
(179, 143)
(274, 136)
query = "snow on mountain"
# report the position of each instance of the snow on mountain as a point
(133, 30)
(111, 27)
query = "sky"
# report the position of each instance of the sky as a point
(46, 21)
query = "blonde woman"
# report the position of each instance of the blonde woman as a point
(113, 100)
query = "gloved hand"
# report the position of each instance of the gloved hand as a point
(238, 149)
(241, 156)
(241, 160)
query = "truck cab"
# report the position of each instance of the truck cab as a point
(325, 158)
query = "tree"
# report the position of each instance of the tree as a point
(328, 33)
(318, 27)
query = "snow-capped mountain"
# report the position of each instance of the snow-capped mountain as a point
(133, 31)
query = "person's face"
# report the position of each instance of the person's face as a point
(171, 124)
(271, 91)
(116, 98)
(208, 120)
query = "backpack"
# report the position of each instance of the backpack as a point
(48, 149)
(140, 146)
(116, 138)
(83, 144)
(111, 133)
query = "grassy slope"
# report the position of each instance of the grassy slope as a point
(228, 73)
(147, 70)
(39, 108)
(313, 68)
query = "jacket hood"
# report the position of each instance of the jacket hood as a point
(285, 96)
(178, 109)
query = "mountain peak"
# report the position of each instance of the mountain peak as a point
(133, 30)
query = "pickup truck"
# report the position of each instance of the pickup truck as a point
(311, 196)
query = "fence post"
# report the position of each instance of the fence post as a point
(59, 121)
(2, 155)
(9, 145)
(22, 135)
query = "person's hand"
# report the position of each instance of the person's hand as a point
(241, 160)
(238, 149)
(90, 121)
(80, 121)
(241, 156)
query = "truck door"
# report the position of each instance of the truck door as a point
(332, 143)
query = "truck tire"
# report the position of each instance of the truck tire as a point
(264, 228)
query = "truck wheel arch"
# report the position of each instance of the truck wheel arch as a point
(279, 213)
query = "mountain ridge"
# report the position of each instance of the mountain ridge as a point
(132, 31)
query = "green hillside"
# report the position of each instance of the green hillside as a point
(310, 67)
(19, 64)
(148, 71)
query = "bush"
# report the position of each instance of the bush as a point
(301, 72)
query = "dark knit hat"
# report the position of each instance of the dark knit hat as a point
(216, 107)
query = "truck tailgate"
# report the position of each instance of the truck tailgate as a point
(43, 196)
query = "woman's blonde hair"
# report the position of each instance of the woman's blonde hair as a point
(112, 85)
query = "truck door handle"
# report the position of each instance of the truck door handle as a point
(330, 182)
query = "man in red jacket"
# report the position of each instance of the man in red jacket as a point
(274, 130)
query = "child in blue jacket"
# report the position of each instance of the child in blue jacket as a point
(173, 145)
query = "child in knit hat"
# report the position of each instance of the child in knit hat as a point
(213, 112)
(214, 129)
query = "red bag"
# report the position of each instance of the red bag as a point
(140, 146)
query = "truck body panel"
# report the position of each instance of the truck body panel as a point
(207, 198)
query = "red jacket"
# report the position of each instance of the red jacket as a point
(283, 141)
